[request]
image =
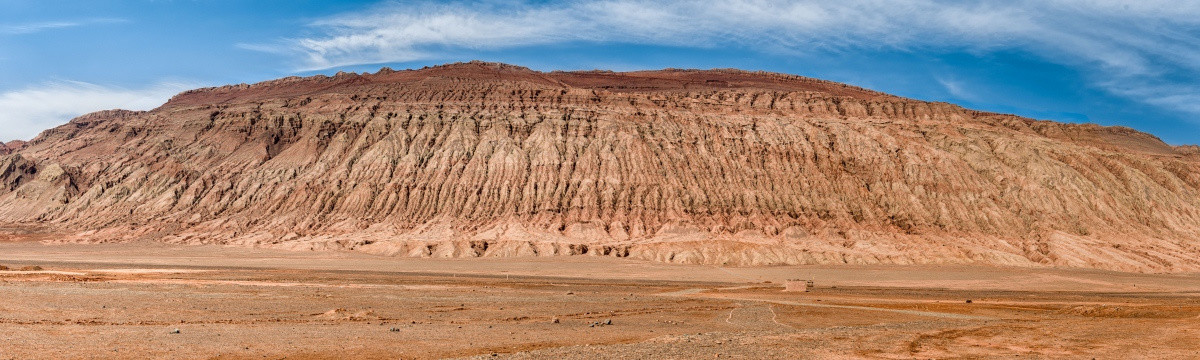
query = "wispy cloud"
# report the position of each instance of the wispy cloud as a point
(957, 89)
(28, 111)
(1113, 41)
(1182, 97)
(34, 27)
(1120, 34)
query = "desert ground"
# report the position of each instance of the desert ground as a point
(151, 300)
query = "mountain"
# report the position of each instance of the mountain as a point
(688, 166)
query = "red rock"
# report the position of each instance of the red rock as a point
(688, 166)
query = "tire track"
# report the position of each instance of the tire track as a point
(699, 293)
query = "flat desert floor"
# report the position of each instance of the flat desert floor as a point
(198, 302)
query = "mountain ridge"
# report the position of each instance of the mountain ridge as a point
(691, 166)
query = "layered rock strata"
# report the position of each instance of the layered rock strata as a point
(713, 167)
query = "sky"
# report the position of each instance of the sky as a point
(1133, 63)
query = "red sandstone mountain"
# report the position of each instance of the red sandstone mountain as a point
(718, 166)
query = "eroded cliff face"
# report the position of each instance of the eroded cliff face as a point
(719, 167)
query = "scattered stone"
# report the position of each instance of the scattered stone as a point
(608, 322)
(554, 320)
(968, 301)
(395, 329)
(176, 331)
(3, 268)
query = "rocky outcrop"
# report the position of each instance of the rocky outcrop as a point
(716, 167)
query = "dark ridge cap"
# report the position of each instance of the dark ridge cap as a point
(322, 82)
(349, 77)
(105, 115)
(760, 74)
(592, 71)
(1118, 130)
(481, 63)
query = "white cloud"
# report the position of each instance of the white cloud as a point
(405, 32)
(26, 112)
(1109, 41)
(1178, 97)
(957, 89)
(36, 27)
(279, 49)
(29, 28)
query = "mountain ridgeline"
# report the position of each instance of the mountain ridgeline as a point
(688, 166)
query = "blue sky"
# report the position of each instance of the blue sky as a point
(1111, 62)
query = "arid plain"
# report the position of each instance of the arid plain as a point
(197, 302)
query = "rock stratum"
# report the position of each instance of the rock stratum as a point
(687, 166)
